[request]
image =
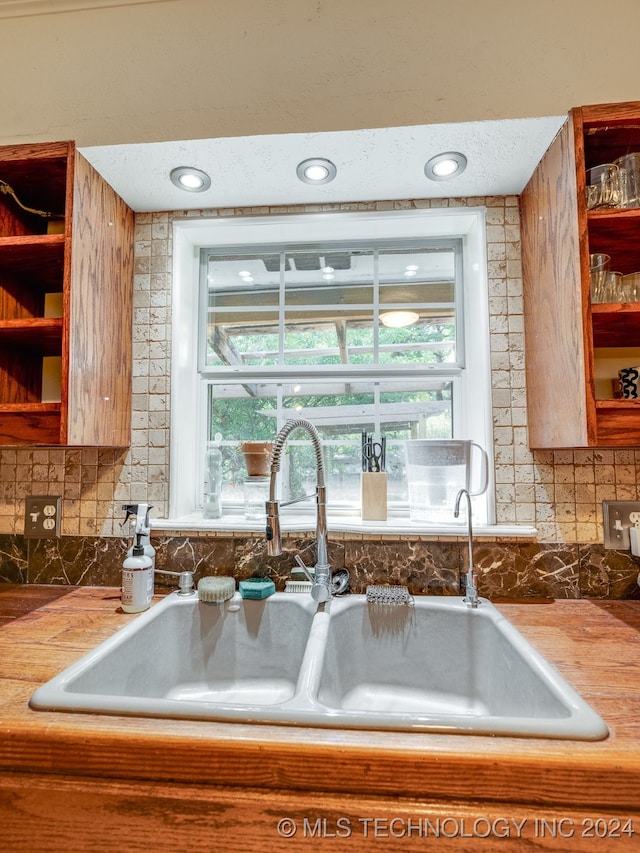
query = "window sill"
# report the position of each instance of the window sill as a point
(304, 522)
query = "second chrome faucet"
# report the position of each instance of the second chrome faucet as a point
(471, 591)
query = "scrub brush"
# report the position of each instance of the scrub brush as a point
(216, 589)
(297, 586)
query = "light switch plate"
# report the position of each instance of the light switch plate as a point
(617, 521)
(42, 517)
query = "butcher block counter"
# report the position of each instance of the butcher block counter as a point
(85, 782)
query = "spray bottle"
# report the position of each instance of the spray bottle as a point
(137, 579)
(141, 529)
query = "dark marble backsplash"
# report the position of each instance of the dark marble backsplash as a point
(505, 570)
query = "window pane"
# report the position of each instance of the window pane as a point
(239, 413)
(413, 410)
(242, 310)
(340, 411)
(417, 409)
(329, 307)
(417, 306)
(329, 298)
(242, 412)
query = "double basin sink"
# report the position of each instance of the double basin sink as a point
(436, 665)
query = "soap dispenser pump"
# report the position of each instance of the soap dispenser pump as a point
(141, 529)
(137, 579)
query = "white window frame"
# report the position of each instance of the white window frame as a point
(473, 416)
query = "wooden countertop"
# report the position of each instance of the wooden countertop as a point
(594, 644)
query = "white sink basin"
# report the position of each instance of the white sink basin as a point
(435, 666)
(442, 665)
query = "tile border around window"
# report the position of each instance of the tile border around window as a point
(560, 492)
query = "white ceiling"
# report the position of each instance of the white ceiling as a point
(378, 164)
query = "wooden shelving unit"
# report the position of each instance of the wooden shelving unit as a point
(83, 267)
(564, 332)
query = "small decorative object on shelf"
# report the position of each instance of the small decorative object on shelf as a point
(629, 381)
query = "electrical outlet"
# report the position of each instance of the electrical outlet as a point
(618, 517)
(42, 517)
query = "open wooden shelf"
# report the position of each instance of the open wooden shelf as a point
(618, 422)
(616, 233)
(65, 302)
(563, 329)
(616, 324)
(22, 247)
(40, 335)
(30, 423)
(35, 408)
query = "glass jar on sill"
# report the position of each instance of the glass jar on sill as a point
(256, 494)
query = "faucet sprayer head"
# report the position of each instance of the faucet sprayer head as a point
(272, 532)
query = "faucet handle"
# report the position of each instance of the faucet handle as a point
(320, 591)
(307, 571)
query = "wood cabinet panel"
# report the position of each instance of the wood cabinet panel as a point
(58, 814)
(100, 314)
(556, 349)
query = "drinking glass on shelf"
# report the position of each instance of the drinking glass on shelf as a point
(612, 289)
(629, 167)
(599, 267)
(630, 287)
(603, 187)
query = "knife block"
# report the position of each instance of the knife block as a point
(373, 495)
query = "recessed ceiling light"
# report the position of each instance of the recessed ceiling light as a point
(445, 166)
(190, 179)
(316, 170)
(399, 319)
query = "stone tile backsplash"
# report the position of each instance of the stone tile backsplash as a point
(512, 570)
(560, 492)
